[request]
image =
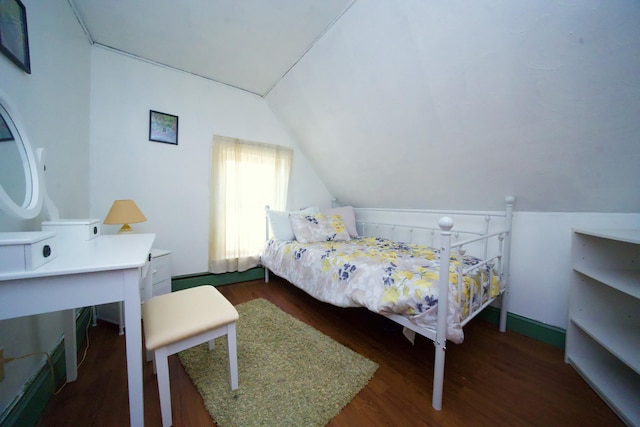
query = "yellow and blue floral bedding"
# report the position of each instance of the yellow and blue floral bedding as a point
(384, 276)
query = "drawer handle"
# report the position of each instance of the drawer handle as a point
(46, 251)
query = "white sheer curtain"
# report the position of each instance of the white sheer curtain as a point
(245, 177)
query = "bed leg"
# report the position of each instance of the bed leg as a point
(503, 310)
(266, 275)
(438, 375)
(446, 224)
(504, 303)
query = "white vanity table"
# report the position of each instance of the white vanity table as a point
(102, 270)
(71, 270)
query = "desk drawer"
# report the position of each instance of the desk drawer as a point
(161, 268)
(161, 288)
(25, 251)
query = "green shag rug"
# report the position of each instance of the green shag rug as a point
(289, 374)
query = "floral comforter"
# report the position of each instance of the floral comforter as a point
(382, 275)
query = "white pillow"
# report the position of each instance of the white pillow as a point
(348, 216)
(280, 224)
(318, 228)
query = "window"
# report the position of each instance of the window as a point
(245, 177)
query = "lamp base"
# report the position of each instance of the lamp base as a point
(126, 228)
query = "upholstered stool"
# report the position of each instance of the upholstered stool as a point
(180, 320)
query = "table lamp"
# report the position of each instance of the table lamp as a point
(124, 212)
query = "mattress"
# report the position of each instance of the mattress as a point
(385, 276)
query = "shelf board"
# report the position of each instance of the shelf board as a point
(622, 235)
(618, 389)
(627, 281)
(617, 338)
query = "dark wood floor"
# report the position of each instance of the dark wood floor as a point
(492, 379)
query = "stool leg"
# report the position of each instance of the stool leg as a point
(164, 388)
(212, 344)
(233, 357)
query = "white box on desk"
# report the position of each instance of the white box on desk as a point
(72, 231)
(26, 250)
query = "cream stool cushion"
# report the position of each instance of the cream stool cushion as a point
(178, 315)
(180, 320)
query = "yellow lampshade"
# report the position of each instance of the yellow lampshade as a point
(124, 212)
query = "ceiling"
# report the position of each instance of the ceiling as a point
(248, 44)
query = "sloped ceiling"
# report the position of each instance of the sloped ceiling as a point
(247, 44)
(423, 103)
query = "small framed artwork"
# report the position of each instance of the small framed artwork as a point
(14, 37)
(163, 127)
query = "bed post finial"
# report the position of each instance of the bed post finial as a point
(445, 223)
(510, 200)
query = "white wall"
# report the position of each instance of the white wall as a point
(454, 104)
(53, 103)
(170, 183)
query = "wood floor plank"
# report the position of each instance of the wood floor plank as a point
(492, 378)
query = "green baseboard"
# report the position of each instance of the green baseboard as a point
(27, 409)
(184, 282)
(531, 328)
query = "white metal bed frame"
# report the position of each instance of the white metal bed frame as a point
(501, 257)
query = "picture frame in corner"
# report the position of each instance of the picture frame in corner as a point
(14, 36)
(163, 127)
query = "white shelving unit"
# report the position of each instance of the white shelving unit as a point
(603, 332)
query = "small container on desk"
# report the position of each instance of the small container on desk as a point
(72, 231)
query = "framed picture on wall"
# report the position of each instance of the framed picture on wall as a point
(14, 37)
(163, 127)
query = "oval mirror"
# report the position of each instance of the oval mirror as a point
(20, 183)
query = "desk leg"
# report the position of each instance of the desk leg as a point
(133, 338)
(70, 355)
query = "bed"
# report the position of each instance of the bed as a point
(394, 263)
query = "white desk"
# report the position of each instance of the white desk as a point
(102, 270)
